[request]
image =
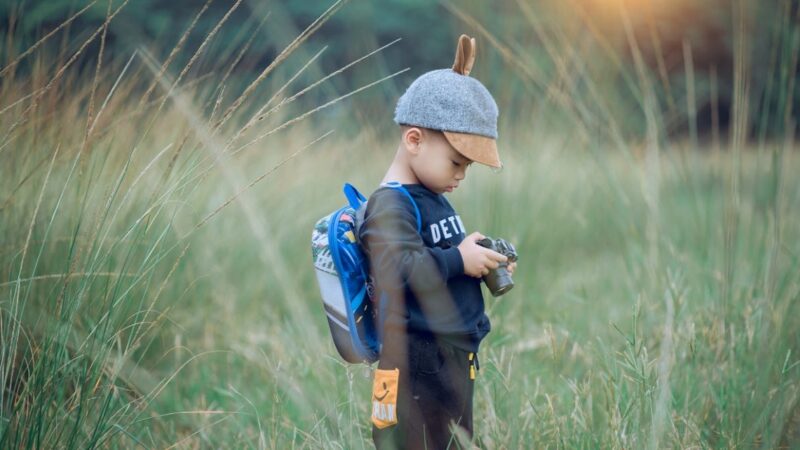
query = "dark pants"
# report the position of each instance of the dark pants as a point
(434, 395)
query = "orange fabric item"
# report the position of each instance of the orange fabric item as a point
(384, 397)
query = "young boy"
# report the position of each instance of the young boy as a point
(430, 271)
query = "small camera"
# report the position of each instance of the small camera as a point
(499, 280)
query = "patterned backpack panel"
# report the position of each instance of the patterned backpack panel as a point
(342, 274)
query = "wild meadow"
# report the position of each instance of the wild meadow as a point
(156, 208)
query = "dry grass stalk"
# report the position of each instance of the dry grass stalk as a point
(44, 39)
(280, 90)
(198, 52)
(173, 54)
(261, 115)
(90, 113)
(266, 174)
(57, 77)
(279, 59)
(318, 108)
(242, 51)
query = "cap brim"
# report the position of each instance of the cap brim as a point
(478, 148)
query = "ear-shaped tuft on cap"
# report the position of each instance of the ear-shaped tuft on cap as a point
(465, 55)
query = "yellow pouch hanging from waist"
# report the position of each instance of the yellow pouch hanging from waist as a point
(384, 397)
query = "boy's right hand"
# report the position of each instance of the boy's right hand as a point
(478, 260)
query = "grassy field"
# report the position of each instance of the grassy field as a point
(157, 290)
(671, 324)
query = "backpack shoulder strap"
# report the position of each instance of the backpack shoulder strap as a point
(353, 196)
(399, 187)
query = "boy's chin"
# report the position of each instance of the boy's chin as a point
(439, 189)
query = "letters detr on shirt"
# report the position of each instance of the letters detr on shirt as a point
(447, 228)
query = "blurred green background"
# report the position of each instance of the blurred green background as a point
(162, 165)
(521, 47)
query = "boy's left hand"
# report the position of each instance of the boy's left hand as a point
(511, 267)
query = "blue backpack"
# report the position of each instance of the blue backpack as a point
(348, 296)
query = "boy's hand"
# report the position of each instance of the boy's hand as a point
(478, 260)
(512, 266)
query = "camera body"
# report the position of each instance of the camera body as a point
(499, 280)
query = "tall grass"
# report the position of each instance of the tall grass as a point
(156, 288)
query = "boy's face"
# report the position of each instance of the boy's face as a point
(437, 165)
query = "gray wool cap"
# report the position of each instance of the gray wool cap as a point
(448, 101)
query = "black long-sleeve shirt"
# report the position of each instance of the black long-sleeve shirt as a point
(422, 272)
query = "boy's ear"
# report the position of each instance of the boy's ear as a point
(412, 138)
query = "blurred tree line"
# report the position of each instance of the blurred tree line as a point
(527, 48)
